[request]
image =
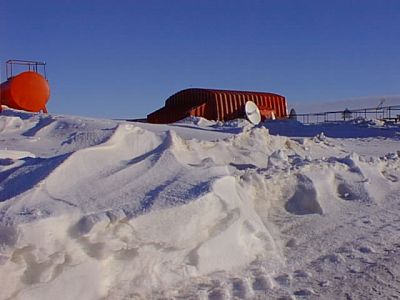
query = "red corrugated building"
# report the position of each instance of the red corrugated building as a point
(221, 105)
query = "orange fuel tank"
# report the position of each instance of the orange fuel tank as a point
(28, 91)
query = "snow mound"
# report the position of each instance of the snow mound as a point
(103, 209)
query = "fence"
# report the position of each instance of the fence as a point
(387, 114)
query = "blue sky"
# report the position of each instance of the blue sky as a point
(122, 59)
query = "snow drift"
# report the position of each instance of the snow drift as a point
(99, 209)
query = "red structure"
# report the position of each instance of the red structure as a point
(28, 90)
(221, 105)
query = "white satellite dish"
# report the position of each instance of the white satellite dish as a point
(252, 112)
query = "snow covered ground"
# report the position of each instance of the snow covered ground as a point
(102, 209)
(350, 103)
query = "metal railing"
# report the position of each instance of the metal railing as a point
(386, 113)
(30, 65)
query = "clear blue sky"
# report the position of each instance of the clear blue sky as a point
(122, 59)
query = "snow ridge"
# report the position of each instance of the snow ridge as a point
(103, 209)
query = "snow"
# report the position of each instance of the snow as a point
(350, 103)
(103, 209)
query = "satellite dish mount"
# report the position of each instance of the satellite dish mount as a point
(252, 112)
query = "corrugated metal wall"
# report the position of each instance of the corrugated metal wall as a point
(187, 99)
(219, 105)
(167, 115)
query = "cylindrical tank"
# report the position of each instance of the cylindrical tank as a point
(28, 91)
